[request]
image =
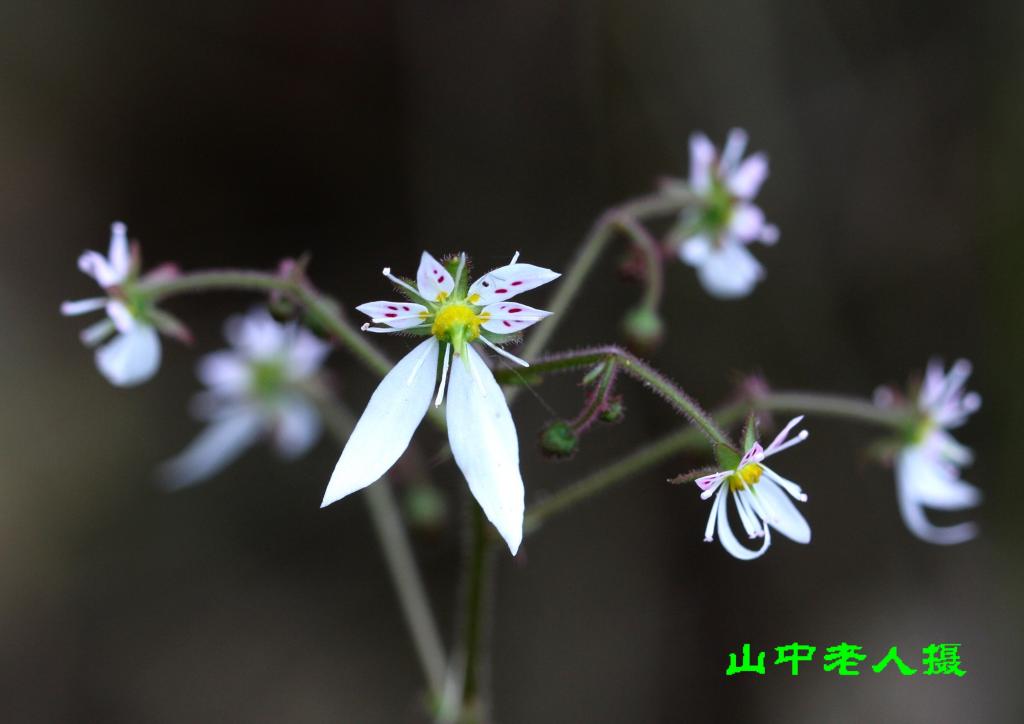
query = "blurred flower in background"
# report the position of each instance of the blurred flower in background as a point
(714, 235)
(259, 387)
(928, 463)
(133, 355)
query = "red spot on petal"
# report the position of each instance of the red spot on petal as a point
(501, 291)
(507, 323)
(517, 283)
(515, 310)
(405, 308)
(391, 306)
(391, 314)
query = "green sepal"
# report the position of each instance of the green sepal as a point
(461, 279)
(411, 296)
(728, 459)
(749, 435)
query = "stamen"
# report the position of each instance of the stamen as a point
(515, 258)
(444, 375)
(385, 330)
(387, 272)
(741, 509)
(503, 353)
(460, 268)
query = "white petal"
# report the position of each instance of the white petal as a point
(130, 358)
(783, 515)
(97, 332)
(485, 445)
(256, 334)
(119, 314)
(82, 306)
(913, 514)
(217, 445)
(735, 145)
(746, 180)
(933, 482)
(730, 272)
(391, 417)
(298, 427)
(95, 265)
(432, 279)
(509, 317)
(305, 354)
(399, 315)
(702, 156)
(695, 250)
(120, 257)
(747, 222)
(728, 538)
(507, 281)
(225, 371)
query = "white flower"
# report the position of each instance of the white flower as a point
(254, 389)
(928, 468)
(133, 355)
(714, 236)
(480, 428)
(759, 495)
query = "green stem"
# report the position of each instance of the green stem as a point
(398, 554)
(637, 369)
(655, 273)
(320, 307)
(688, 440)
(594, 244)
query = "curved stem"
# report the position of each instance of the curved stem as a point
(593, 246)
(687, 440)
(655, 273)
(321, 308)
(398, 554)
(637, 369)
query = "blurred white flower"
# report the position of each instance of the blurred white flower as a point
(928, 466)
(254, 389)
(129, 345)
(480, 428)
(759, 495)
(714, 235)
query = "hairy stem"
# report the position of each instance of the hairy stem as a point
(637, 369)
(594, 244)
(689, 440)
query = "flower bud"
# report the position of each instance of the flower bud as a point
(613, 412)
(558, 440)
(643, 328)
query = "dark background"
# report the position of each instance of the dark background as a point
(235, 133)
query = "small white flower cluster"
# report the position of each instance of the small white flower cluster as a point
(713, 236)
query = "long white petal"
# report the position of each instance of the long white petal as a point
(783, 515)
(130, 358)
(702, 156)
(217, 445)
(391, 417)
(918, 484)
(728, 538)
(485, 445)
(82, 306)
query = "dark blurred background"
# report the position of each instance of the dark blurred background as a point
(235, 133)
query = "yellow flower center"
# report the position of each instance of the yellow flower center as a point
(456, 323)
(745, 477)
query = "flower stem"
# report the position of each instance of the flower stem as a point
(398, 554)
(594, 244)
(637, 369)
(655, 272)
(321, 308)
(689, 440)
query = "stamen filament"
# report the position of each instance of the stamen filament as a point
(503, 353)
(444, 375)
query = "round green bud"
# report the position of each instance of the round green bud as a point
(558, 440)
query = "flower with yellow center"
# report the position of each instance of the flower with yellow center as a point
(453, 315)
(760, 497)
